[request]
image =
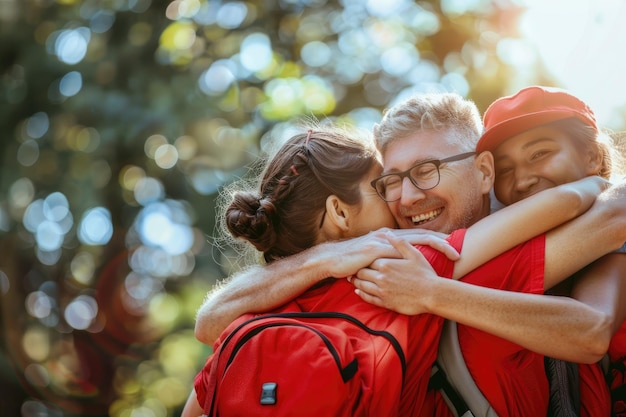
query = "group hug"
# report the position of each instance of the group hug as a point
(506, 228)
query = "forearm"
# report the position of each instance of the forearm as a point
(580, 195)
(524, 220)
(222, 305)
(192, 407)
(602, 286)
(260, 289)
(574, 245)
(554, 326)
(256, 289)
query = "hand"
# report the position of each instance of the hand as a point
(346, 257)
(402, 285)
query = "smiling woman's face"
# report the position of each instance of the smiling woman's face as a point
(538, 159)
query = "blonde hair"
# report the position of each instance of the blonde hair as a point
(430, 111)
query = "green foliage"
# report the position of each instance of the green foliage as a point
(140, 107)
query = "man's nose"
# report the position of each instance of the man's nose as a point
(410, 193)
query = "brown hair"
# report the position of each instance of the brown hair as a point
(283, 217)
(588, 137)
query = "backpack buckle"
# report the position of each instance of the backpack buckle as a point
(268, 393)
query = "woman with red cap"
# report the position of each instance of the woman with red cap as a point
(540, 138)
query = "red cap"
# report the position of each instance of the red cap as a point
(529, 108)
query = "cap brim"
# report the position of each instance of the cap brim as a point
(512, 127)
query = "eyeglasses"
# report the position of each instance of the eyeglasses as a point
(424, 176)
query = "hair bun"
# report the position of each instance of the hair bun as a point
(250, 218)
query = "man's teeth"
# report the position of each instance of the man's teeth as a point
(425, 216)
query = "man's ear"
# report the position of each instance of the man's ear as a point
(337, 220)
(486, 167)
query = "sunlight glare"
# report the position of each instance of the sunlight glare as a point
(582, 44)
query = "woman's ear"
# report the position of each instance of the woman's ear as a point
(484, 163)
(337, 217)
(595, 157)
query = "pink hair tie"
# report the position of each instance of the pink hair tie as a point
(308, 137)
(294, 170)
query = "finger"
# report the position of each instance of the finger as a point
(366, 285)
(369, 298)
(435, 240)
(407, 250)
(366, 274)
(444, 247)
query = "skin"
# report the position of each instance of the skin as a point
(348, 221)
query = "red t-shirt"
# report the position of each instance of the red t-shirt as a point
(617, 354)
(511, 377)
(595, 399)
(617, 348)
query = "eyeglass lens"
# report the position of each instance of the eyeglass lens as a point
(424, 176)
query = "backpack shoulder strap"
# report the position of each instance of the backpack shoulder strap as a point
(605, 365)
(439, 381)
(564, 388)
(450, 359)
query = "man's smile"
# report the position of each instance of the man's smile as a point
(426, 217)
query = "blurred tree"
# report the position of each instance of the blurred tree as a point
(121, 119)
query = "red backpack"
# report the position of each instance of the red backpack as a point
(296, 363)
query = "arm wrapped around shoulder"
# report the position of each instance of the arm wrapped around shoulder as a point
(581, 194)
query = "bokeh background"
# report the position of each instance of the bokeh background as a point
(121, 119)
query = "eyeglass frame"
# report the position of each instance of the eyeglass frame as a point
(407, 173)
